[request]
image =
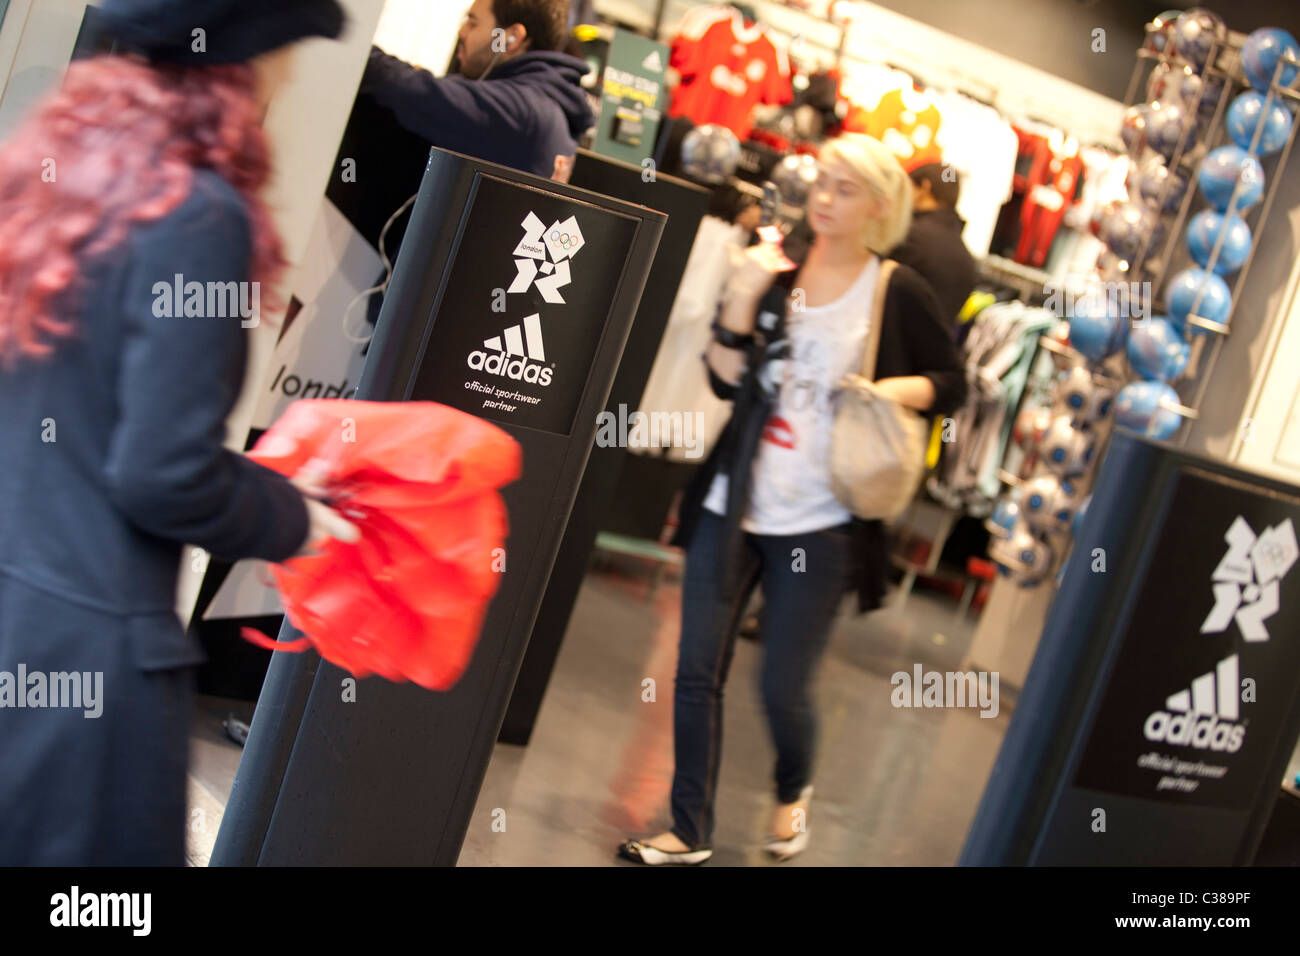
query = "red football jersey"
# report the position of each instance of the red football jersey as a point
(726, 69)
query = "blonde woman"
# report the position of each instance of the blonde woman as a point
(761, 510)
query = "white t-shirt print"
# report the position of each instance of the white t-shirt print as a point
(790, 488)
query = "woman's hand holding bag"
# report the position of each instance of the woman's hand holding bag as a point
(877, 444)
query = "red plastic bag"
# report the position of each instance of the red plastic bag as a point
(420, 481)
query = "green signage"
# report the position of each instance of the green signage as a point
(632, 98)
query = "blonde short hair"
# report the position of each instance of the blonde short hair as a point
(876, 163)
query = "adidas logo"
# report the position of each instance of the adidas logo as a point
(1203, 716)
(653, 62)
(525, 342)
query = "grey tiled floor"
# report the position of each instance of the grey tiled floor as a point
(893, 786)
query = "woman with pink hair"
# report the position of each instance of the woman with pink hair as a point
(138, 176)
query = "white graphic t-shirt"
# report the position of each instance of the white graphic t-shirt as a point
(790, 489)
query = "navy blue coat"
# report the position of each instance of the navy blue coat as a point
(111, 459)
(527, 111)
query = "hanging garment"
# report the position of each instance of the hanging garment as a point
(1046, 203)
(999, 351)
(1032, 157)
(677, 381)
(908, 121)
(981, 146)
(861, 87)
(727, 67)
(1074, 251)
(905, 120)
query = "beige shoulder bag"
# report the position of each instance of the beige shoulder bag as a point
(877, 445)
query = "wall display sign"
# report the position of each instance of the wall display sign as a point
(632, 98)
(1205, 676)
(531, 313)
(322, 341)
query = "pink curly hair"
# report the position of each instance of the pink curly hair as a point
(125, 137)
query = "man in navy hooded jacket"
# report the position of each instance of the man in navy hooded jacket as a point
(516, 100)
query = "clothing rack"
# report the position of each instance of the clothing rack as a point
(953, 80)
(1024, 279)
(965, 84)
(658, 29)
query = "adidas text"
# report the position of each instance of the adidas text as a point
(1203, 716)
(1187, 731)
(500, 364)
(514, 352)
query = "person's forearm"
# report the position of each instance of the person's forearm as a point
(737, 313)
(914, 391)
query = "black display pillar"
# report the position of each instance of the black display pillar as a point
(685, 204)
(1163, 703)
(512, 300)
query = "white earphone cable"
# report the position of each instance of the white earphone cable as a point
(383, 255)
(383, 285)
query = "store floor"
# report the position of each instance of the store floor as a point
(894, 786)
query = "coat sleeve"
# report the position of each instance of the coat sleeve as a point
(912, 307)
(721, 388)
(167, 470)
(450, 112)
(774, 302)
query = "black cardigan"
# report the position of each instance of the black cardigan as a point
(914, 340)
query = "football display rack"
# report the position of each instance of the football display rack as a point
(1223, 64)
(1222, 77)
(1220, 74)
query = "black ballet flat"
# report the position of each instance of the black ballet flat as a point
(638, 852)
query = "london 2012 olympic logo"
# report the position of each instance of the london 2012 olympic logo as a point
(543, 256)
(1247, 582)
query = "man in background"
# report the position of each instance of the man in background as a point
(514, 100)
(934, 246)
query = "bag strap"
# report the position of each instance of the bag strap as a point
(887, 267)
(258, 639)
